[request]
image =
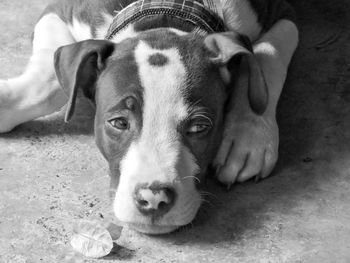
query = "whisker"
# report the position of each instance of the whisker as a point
(203, 200)
(192, 176)
(206, 201)
(209, 194)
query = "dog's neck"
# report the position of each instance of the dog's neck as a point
(197, 16)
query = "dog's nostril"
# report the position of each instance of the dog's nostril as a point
(154, 200)
(142, 203)
(162, 205)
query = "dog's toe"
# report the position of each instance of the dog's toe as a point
(249, 148)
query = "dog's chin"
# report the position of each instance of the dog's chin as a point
(152, 229)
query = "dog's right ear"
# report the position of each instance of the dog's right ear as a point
(78, 66)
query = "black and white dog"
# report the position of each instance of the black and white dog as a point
(178, 85)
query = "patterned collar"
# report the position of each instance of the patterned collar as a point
(202, 14)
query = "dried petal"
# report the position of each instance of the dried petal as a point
(92, 240)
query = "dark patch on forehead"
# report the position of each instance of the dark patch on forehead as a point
(158, 60)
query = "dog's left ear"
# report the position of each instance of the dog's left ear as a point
(230, 45)
(78, 67)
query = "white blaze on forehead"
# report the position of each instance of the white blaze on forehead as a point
(164, 105)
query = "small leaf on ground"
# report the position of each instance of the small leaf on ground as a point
(92, 240)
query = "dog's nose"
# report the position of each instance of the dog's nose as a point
(154, 200)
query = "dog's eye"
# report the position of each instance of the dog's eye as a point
(120, 123)
(198, 128)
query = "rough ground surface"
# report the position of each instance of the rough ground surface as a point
(51, 173)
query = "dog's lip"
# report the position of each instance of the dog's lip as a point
(152, 229)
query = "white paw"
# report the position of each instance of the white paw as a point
(249, 148)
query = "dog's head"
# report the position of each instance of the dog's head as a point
(160, 100)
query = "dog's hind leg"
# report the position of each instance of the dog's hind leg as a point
(36, 92)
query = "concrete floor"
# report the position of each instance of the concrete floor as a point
(51, 173)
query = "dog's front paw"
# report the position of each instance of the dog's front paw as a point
(249, 148)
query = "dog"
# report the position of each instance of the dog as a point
(178, 86)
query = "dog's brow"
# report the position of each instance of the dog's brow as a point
(119, 102)
(200, 110)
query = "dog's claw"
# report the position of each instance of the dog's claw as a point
(229, 186)
(257, 178)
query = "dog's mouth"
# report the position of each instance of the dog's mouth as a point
(159, 226)
(176, 219)
(152, 229)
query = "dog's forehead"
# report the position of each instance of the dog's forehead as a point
(162, 75)
(190, 47)
(162, 61)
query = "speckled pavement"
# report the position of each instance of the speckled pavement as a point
(51, 173)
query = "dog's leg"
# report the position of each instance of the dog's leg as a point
(250, 143)
(36, 92)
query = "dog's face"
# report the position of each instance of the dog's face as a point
(159, 113)
(160, 101)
